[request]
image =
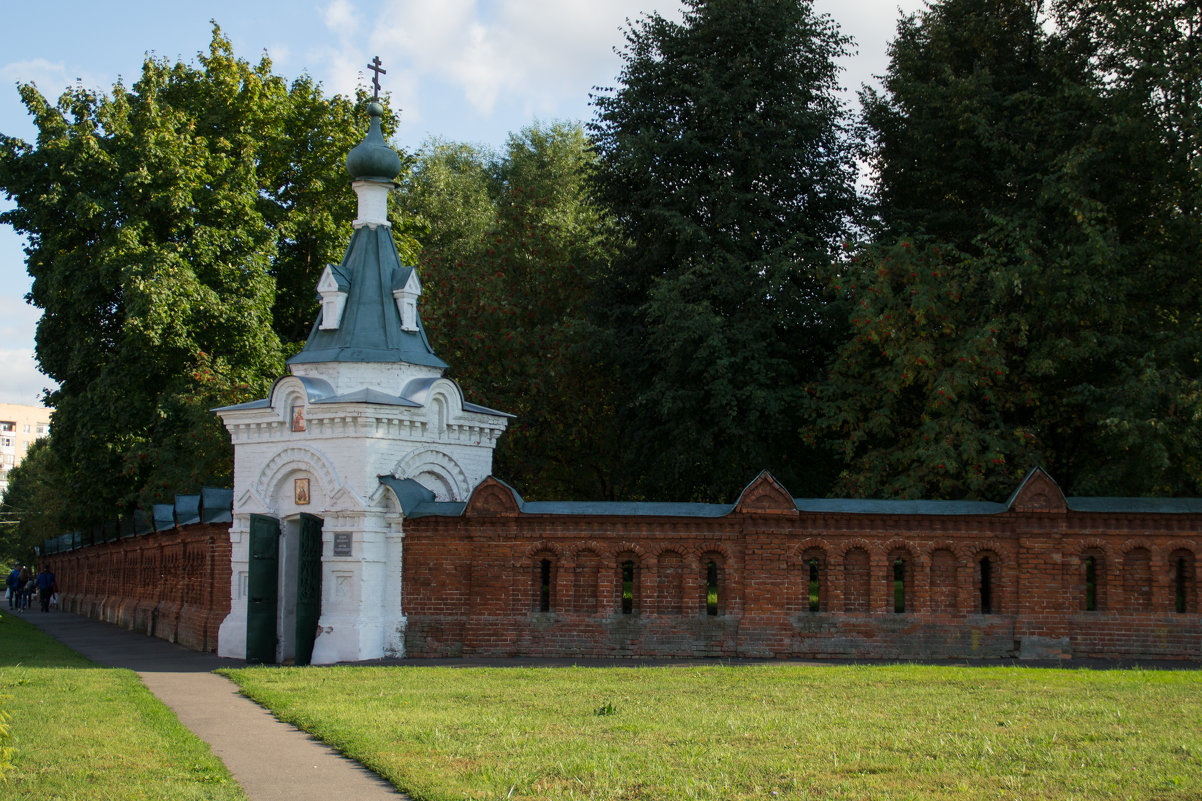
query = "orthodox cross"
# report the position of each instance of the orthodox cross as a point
(374, 66)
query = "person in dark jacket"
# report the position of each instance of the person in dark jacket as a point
(45, 587)
(13, 586)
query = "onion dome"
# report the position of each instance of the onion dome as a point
(373, 158)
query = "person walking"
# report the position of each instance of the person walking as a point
(24, 588)
(12, 586)
(45, 587)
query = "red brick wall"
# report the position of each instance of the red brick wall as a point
(173, 584)
(471, 584)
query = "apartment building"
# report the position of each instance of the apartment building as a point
(20, 425)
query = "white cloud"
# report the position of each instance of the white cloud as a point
(41, 71)
(22, 382)
(528, 53)
(341, 19)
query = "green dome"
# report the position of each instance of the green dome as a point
(373, 158)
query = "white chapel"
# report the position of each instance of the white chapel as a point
(364, 428)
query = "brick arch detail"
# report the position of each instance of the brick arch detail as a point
(575, 549)
(714, 547)
(1129, 545)
(625, 547)
(544, 545)
(809, 544)
(852, 544)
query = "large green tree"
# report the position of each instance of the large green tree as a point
(162, 218)
(514, 250)
(724, 155)
(1025, 300)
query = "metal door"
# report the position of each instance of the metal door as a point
(308, 587)
(262, 589)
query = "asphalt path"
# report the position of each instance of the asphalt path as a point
(272, 761)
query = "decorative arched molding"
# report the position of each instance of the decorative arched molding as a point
(574, 549)
(1079, 547)
(895, 545)
(765, 496)
(1131, 544)
(493, 498)
(943, 545)
(296, 458)
(850, 545)
(435, 463)
(544, 546)
(627, 547)
(671, 547)
(796, 555)
(971, 550)
(722, 550)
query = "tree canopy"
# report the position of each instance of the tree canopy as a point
(1025, 299)
(724, 156)
(176, 231)
(514, 251)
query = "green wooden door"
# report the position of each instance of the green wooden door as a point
(262, 589)
(308, 587)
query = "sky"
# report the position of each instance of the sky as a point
(460, 70)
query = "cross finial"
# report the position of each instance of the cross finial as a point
(374, 66)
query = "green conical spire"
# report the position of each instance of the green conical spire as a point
(373, 158)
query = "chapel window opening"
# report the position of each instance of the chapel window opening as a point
(628, 587)
(814, 586)
(711, 588)
(986, 587)
(544, 585)
(1091, 584)
(899, 585)
(1179, 586)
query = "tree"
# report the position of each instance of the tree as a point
(514, 246)
(1020, 304)
(33, 505)
(161, 220)
(724, 155)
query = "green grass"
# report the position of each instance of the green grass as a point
(84, 732)
(766, 731)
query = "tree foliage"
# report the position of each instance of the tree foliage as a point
(724, 156)
(1025, 301)
(162, 219)
(514, 247)
(33, 504)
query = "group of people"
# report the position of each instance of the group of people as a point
(22, 584)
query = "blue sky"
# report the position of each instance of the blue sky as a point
(462, 70)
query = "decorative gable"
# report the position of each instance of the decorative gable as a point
(1038, 493)
(406, 289)
(765, 495)
(333, 288)
(493, 498)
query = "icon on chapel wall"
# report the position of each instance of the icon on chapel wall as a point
(300, 491)
(298, 418)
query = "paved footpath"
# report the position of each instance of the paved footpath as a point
(272, 761)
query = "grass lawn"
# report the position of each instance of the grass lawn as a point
(766, 731)
(85, 732)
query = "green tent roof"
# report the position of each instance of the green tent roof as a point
(370, 329)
